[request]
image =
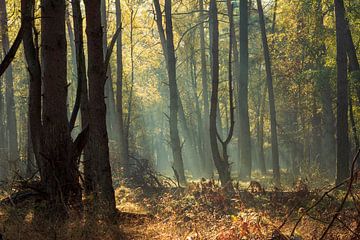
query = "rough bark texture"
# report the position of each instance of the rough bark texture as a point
(98, 138)
(269, 81)
(342, 140)
(60, 172)
(222, 166)
(13, 151)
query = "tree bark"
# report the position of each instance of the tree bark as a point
(269, 81)
(221, 165)
(112, 124)
(13, 149)
(124, 151)
(353, 60)
(82, 80)
(98, 138)
(342, 140)
(167, 43)
(3, 158)
(60, 173)
(327, 161)
(207, 163)
(34, 68)
(244, 125)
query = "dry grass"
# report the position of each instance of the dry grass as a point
(201, 211)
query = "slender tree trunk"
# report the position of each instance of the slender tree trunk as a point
(82, 80)
(33, 62)
(269, 80)
(167, 43)
(9, 95)
(353, 60)
(3, 158)
(327, 161)
(221, 164)
(260, 131)
(112, 123)
(30, 161)
(244, 125)
(98, 138)
(342, 140)
(199, 120)
(124, 151)
(208, 165)
(60, 167)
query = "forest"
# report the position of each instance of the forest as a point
(180, 119)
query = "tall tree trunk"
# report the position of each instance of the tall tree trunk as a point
(3, 158)
(208, 165)
(342, 140)
(327, 161)
(9, 95)
(260, 128)
(269, 81)
(33, 62)
(98, 138)
(82, 80)
(353, 60)
(167, 43)
(60, 167)
(199, 136)
(221, 164)
(244, 125)
(124, 151)
(112, 124)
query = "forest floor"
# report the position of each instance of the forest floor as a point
(200, 211)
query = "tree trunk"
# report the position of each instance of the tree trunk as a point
(60, 167)
(342, 140)
(33, 62)
(82, 80)
(207, 165)
(244, 125)
(98, 138)
(13, 150)
(124, 151)
(353, 60)
(167, 43)
(327, 161)
(222, 166)
(3, 158)
(199, 136)
(269, 81)
(111, 123)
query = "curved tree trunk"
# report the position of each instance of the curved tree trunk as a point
(221, 164)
